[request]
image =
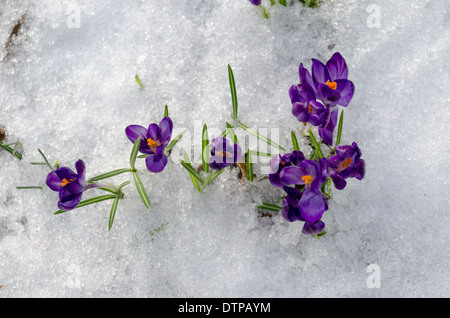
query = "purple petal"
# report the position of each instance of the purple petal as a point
(133, 132)
(275, 164)
(166, 127)
(326, 133)
(69, 201)
(346, 90)
(311, 206)
(339, 182)
(305, 77)
(53, 181)
(156, 162)
(154, 132)
(289, 209)
(275, 180)
(301, 94)
(65, 173)
(300, 111)
(328, 95)
(81, 169)
(293, 192)
(293, 175)
(313, 228)
(337, 67)
(320, 72)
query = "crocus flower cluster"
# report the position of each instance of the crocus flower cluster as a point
(314, 100)
(154, 139)
(223, 153)
(302, 180)
(69, 184)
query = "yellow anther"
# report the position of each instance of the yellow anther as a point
(332, 85)
(64, 182)
(308, 179)
(152, 143)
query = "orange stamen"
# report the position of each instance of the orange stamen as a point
(152, 143)
(308, 179)
(346, 163)
(332, 85)
(310, 109)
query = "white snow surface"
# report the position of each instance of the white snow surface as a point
(70, 91)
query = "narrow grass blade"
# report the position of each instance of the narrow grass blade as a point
(173, 142)
(270, 207)
(210, 178)
(134, 153)
(261, 154)
(339, 133)
(192, 171)
(248, 159)
(110, 174)
(91, 201)
(194, 179)
(166, 111)
(138, 80)
(141, 190)
(31, 187)
(231, 133)
(124, 184)
(315, 144)
(259, 136)
(45, 159)
(205, 143)
(112, 214)
(13, 150)
(294, 141)
(233, 92)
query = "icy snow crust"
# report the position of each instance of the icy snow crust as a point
(71, 92)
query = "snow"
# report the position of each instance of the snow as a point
(69, 90)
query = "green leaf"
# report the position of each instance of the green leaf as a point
(192, 171)
(172, 143)
(30, 187)
(91, 201)
(134, 153)
(261, 154)
(315, 144)
(294, 141)
(339, 133)
(205, 143)
(248, 159)
(166, 111)
(270, 207)
(45, 159)
(13, 151)
(123, 184)
(110, 174)
(138, 80)
(210, 178)
(193, 178)
(141, 190)
(231, 133)
(112, 214)
(259, 136)
(233, 92)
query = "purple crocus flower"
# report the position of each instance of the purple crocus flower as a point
(291, 212)
(330, 81)
(306, 108)
(223, 153)
(330, 85)
(255, 2)
(69, 184)
(312, 175)
(153, 142)
(346, 163)
(278, 162)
